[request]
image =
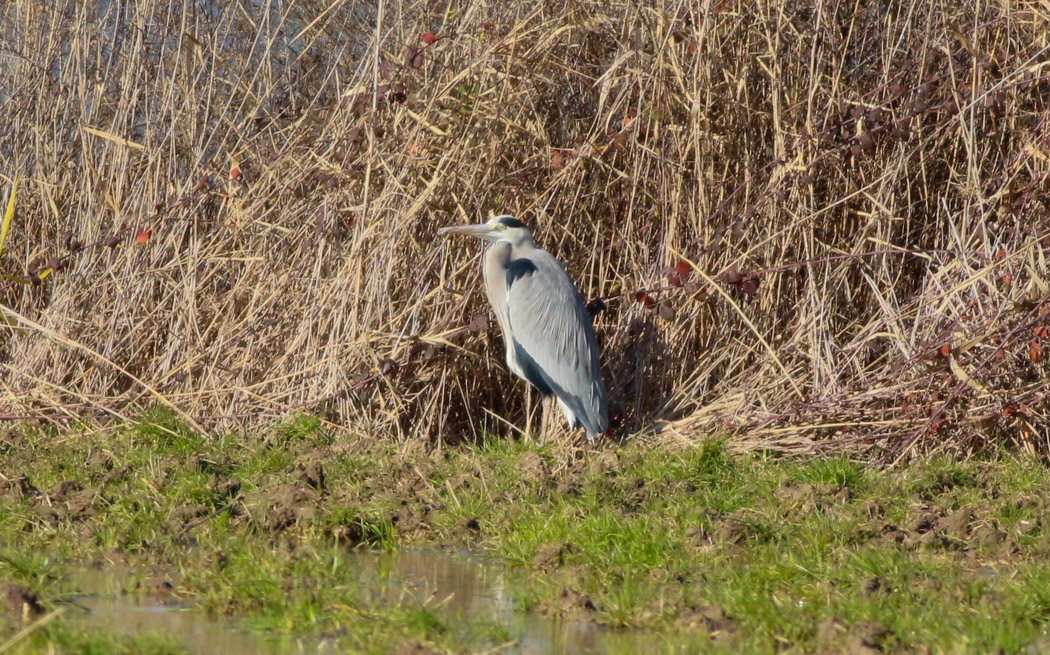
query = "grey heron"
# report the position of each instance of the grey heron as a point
(547, 331)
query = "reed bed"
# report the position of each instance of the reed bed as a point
(812, 225)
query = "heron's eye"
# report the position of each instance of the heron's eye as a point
(500, 227)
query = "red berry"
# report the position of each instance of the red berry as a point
(143, 236)
(683, 268)
(428, 37)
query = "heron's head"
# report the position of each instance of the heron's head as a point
(500, 228)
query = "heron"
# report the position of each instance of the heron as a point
(547, 331)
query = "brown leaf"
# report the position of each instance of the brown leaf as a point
(732, 276)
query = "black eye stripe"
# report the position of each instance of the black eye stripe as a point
(510, 221)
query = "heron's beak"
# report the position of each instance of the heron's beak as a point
(481, 231)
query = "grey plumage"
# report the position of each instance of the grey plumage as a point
(547, 331)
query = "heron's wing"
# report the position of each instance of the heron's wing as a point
(553, 338)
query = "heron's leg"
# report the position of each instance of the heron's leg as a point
(528, 414)
(545, 418)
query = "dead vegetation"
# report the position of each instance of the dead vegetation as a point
(805, 223)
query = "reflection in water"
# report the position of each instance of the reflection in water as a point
(108, 608)
(458, 585)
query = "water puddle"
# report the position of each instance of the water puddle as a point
(106, 607)
(460, 583)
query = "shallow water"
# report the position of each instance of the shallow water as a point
(107, 608)
(461, 584)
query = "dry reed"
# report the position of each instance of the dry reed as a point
(230, 209)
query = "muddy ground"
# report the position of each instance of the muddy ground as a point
(724, 552)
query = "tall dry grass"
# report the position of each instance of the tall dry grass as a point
(860, 189)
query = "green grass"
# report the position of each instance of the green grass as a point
(748, 552)
(59, 636)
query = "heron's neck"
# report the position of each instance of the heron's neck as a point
(507, 249)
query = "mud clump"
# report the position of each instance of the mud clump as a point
(406, 520)
(960, 530)
(888, 534)
(531, 467)
(1040, 646)
(417, 648)
(872, 585)
(310, 472)
(936, 529)
(550, 556)
(349, 534)
(574, 601)
(470, 524)
(116, 474)
(15, 490)
(805, 498)
(740, 527)
(19, 600)
(214, 466)
(156, 586)
(185, 516)
(277, 509)
(710, 618)
(100, 464)
(568, 487)
(864, 638)
(68, 501)
(225, 487)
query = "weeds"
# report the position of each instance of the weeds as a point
(737, 552)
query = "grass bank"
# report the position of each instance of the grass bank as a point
(722, 551)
